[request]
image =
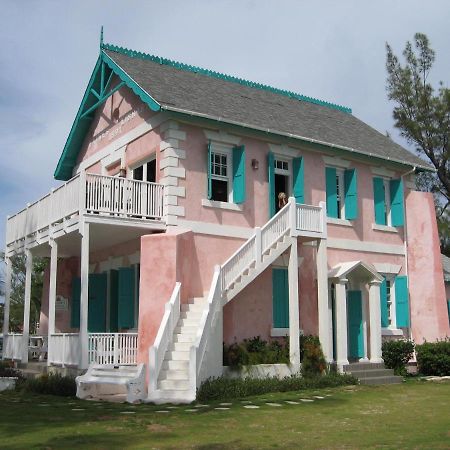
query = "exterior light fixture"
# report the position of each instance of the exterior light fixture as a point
(255, 164)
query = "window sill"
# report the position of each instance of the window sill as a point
(386, 228)
(221, 205)
(391, 332)
(281, 332)
(342, 222)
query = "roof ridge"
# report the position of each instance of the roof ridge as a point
(187, 67)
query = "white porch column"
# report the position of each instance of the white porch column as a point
(26, 305)
(294, 321)
(8, 275)
(375, 321)
(84, 338)
(341, 324)
(324, 312)
(52, 296)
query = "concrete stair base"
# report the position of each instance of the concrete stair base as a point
(372, 373)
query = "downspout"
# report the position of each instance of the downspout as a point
(413, 170)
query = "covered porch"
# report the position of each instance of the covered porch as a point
(82, 221)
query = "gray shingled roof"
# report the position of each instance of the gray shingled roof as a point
(199, 94)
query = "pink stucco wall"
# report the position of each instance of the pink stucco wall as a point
(429, 318)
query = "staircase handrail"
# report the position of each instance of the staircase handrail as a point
(207, 322)
(162, 340)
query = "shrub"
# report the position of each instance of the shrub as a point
(226, 388)
(7, 369)
(433, 358)
(396, 354)
(313, 360)
(52, 384)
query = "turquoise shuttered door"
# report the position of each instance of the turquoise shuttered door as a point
(280, 298)
(97, 303)
(383, 304)
(298, 187)
(75, 305)
(351, 194)
(379, 201)
(114, 301)
(208, 171)
(401, 302)
(126, 298)
(330, 181)
(355, 325)
(396, 189)
(239, 174)
(271, 172)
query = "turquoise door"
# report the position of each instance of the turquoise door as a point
(97, 303)
(113, 301)
(280, 298)
(355, 325)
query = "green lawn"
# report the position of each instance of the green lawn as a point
(411, 415)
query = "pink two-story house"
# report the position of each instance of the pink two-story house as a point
(198, 208)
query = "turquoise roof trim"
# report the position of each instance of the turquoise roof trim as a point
(211, 73)
(97, 91)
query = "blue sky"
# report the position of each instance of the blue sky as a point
(332, 50)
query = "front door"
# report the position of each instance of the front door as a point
(280, 298)
(97, 303)
(355, 325)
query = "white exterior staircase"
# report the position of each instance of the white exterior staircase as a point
(186, 352)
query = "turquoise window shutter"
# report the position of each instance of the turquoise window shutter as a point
(75, 306)
(298, 187)
(351, 194)
(280, 298)
(113, 300)
(271, 171)
(97, 303)
(126, 298)
(396, 188)
(401, 301)
(239, 174)
(379, 201)
(330, 180)
(383, 304)
(208, 171)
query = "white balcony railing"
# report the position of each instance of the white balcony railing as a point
(113, 348)
(90, 194)
(64, 349)
(13, 346)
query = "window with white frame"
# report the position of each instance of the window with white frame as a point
(389, 293)
(340, 194)
(221, 185)
(388, 201)
(145, 171)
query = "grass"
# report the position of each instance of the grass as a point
(411, 415)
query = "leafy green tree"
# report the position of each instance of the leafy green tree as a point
(18, 291)
(422, 114)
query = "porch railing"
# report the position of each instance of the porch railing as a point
(310, 218)
(64, 349)
(113, 348)
(13, 346)
(91, 194)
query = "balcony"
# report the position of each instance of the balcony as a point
(97, 197)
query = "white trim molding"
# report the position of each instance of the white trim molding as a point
(336, 161)
(364, 246)
(391, 332)
(388, 268)
(342, 222)
(221, 205)
(216, 229)
(279, 332)
(284, 150)
(382, 171)
(222, 137)
(385, 228)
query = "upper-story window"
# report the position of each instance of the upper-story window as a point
(388, 201)
(146, 171)
(226, 173)
(283, 183)
(341, 192)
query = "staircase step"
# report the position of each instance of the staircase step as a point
(174, 375)
(171, 396)
(175, 365)
(186, 329)
(382, 380)
(200, 306)
(188, 322)
(177, 356)
(192, 315)
(174, 384)
(363, 366)
(184, 338)
(372, 373)
(113, 374)
(197, 300)
(180, 346)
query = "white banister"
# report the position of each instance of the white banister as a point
(113, 348)
(165, 333)
(209, 335)
(64, 349)
(12, 346)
